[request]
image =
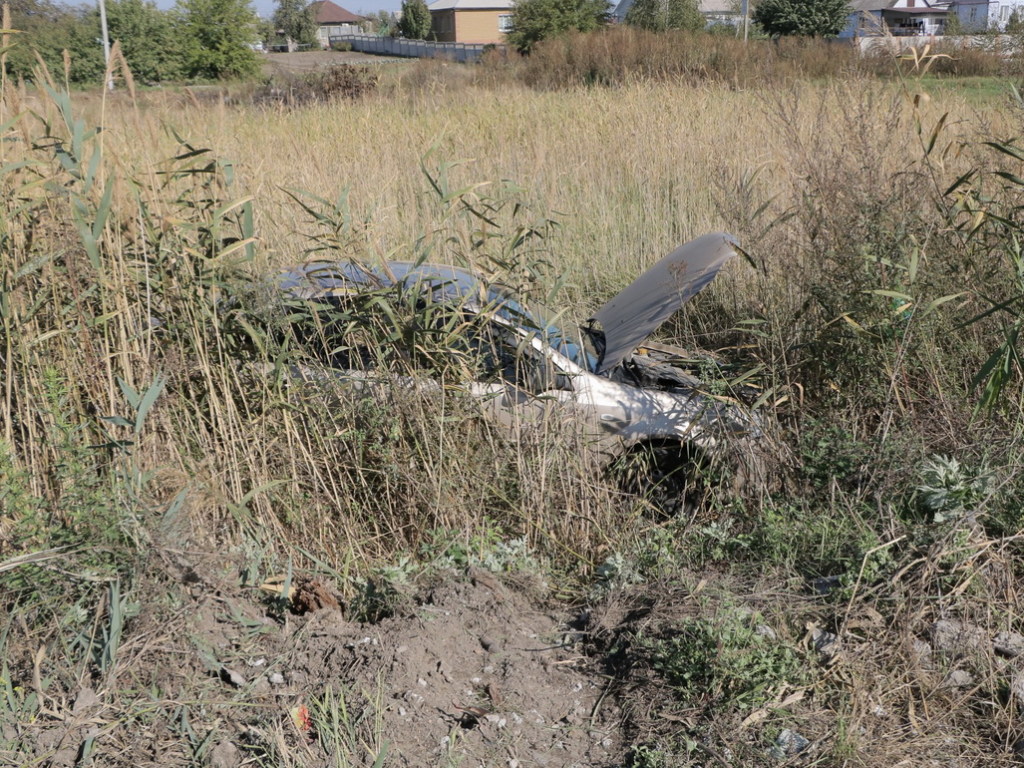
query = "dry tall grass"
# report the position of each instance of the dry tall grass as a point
(138, 412)
(628, 172)
(811, 178)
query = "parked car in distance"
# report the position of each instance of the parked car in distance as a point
(525, 362)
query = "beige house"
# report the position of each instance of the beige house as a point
(333, 20)
(470, 21)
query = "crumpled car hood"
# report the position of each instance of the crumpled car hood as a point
(640, 309)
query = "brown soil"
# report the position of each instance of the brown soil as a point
(470, 671)
(475, 673)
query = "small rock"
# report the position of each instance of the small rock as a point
(763, 630)
(951, 636)
(921, 650)
(276, 678)
(260, 687)
(225, 755)
(1008, 644)
(497, 721)
(958, 678)
(825, 643)
(788, 743)
(229, 675)
(86, 699)
(825, 585)
(313, 595)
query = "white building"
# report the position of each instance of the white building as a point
(976, 15)
(899, 18)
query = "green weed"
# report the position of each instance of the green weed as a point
(724, 661)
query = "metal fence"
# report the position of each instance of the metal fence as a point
(419, 49)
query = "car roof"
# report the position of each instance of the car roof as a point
(324, 278)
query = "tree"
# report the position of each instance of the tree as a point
(1014, 24)
(215, 37)
(659, 15)
(382, 24)
(415, 21)
(147, 39)
(48, 29)
(536, 20)
(295, 20)
(953, 25)
(809, 18)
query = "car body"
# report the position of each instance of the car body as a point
(624, 392)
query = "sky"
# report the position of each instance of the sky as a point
(265, 8)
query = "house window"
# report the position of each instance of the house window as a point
(1004, 13)
(505, 22)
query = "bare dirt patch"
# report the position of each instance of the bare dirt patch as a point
(472, 670)
(476, 672)
(313, 61)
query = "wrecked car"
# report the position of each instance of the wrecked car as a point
(527, 364)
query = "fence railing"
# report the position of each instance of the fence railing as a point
(1005, 45)
(419, 49)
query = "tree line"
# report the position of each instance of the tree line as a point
(536, 20)
(215, 39)
(195, 40)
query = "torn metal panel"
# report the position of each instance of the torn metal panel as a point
(639, 310)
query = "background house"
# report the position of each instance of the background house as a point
(899, 18)
(911, 18)
(722, 12)
(976, 15)
(470, 21)
(333, 20)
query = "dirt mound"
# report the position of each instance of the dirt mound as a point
(474, 673)
(471, 671)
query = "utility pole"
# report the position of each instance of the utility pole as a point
(746, 18)
(106, 45)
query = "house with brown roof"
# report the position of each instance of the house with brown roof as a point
(333, 20)
(470, 21)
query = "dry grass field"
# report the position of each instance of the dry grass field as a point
(467, 600)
